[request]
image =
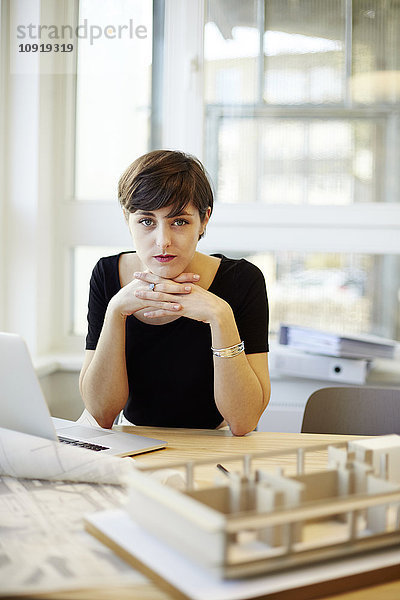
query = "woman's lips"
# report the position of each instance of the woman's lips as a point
(164, 258)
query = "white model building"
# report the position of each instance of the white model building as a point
(258, 518)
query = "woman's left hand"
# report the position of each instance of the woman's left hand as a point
(199, 304)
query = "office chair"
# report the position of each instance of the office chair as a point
(353, 411)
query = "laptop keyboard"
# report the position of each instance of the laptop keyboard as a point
(95, 447)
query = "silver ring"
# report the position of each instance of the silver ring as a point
(152, 286)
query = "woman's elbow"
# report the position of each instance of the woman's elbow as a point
(241, 431)
(240, 428)
(104, 417)
(104, 420)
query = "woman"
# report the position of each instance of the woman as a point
(176, 338)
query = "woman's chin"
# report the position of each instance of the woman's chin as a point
(166, 271)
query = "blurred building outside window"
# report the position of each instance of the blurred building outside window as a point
(302, 105)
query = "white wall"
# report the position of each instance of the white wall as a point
(61, 391)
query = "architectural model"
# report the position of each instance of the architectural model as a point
(260, 516)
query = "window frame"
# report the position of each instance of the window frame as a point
(3, 64)
(76, 219)
(370, 228)
(182, 102)
(360, 228)
(41, 308)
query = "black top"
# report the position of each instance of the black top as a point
(170, 367)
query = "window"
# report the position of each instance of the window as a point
(307, 160)
(112, 95)
(83, 260)
(332, 291)
(301, 140)
(293, 106)
(113, 98)
(2, 156)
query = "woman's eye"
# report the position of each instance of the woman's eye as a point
(146, 222)
(180, 222)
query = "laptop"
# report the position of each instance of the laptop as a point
(23, 408)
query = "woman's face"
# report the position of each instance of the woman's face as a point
(166, 245)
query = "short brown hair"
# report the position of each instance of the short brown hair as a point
(165, 178)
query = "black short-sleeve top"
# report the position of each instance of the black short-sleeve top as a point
(170, 367)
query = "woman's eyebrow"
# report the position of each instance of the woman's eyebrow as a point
(148, 213)
(184, 213)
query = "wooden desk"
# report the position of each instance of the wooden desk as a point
(202, 444)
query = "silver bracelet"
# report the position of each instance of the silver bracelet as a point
(228, 352)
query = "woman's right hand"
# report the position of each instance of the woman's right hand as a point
(126, 302)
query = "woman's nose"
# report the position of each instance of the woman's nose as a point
(163, 239)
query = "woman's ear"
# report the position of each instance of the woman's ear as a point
(205, 221)
(206, 218)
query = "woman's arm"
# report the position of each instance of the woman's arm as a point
(103, 380)
(241, 383)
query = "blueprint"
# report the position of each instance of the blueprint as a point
(46, 490)
(28, 456)
(43, 545)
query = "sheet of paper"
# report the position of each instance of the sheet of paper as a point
(87, 419)
(28, 456)
(43, 545)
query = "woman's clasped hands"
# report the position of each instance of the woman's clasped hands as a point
(181, 296)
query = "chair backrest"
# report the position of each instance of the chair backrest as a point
(353, 411)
